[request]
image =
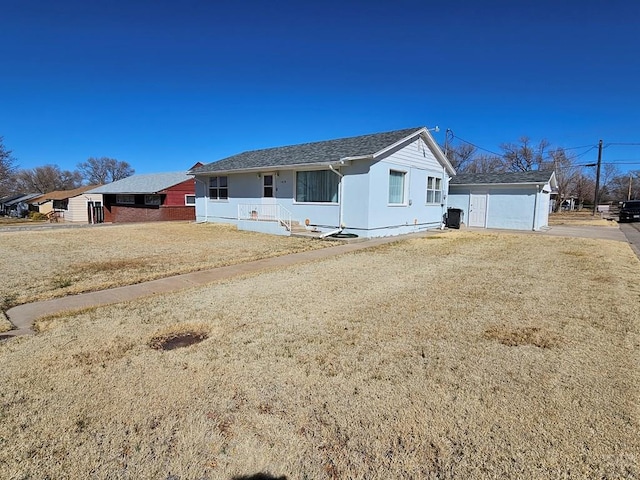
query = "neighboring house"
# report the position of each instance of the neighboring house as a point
(149, 197)
(71, 205)
(518, 201)
(16, 205)
(372, 185)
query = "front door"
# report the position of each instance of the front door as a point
(478, 210)
(269, 196)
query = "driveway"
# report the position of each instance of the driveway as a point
(602, 233)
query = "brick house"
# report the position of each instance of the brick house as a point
(149, 197)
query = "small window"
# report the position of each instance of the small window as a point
(152, 200)
(434, 190)
(126, 199)
(189, 200)
(218, 188)
(396, 187)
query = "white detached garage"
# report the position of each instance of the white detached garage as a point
(517, 201)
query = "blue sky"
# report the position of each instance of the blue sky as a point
(163, 85)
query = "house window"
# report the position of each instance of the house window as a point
(317, 186)
(434, 190)
(61, 204)
(189, 200)
(126, 199)
(396, 187)
(218, 188)
(152, 200)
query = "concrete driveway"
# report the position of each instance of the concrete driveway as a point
(602, 233)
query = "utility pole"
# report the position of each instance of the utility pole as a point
(629, 195)
(595, 197)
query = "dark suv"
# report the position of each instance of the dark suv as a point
(630, 211)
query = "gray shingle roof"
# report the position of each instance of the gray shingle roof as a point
(536, 176)
(308, 153)
(146, 183)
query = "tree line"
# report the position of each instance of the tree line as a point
(49, 178)
(576, 179)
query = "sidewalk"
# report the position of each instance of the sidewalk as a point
(23, 316)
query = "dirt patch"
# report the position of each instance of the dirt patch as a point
(179, 336)
(519, 336)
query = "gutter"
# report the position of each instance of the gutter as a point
(279, 168)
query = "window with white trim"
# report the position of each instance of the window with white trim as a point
(189, 200)
(317, 186)
(152, 200)
(218, 188)
(125, 199)
(396, 187)
(434, 190)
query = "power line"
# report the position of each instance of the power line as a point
(551, 159)
(474, 145)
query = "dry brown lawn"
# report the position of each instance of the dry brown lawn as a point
(47, 263)
(580, 218)
(464, 355)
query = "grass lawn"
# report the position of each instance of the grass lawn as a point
(463, 355)
(49, 263)
(580, 218)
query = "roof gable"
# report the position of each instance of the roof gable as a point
(146, 183)
(319, 153)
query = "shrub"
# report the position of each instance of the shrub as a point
(37, 216)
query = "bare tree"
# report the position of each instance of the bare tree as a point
(485, 164)
(7, 170)
(625, 187)
(523, 157)
(99, 171)
(583, 188)
(566, 174)
(461, 156)
(47, 179)
(608, 173)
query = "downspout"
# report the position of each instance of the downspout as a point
(444, 196)
(535, 207)
(341, 200)
(206, 201)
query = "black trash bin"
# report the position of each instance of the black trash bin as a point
(454, 217)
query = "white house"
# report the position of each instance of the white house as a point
(518, 201)
(371, 185)
(77, 205)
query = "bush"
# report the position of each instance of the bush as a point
(37, 216)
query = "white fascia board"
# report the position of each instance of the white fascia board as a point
(279, 168)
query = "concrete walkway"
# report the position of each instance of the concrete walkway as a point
(23, 316)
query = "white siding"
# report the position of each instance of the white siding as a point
(77, 207)
(415, 154)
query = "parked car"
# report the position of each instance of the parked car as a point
(630, 211)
